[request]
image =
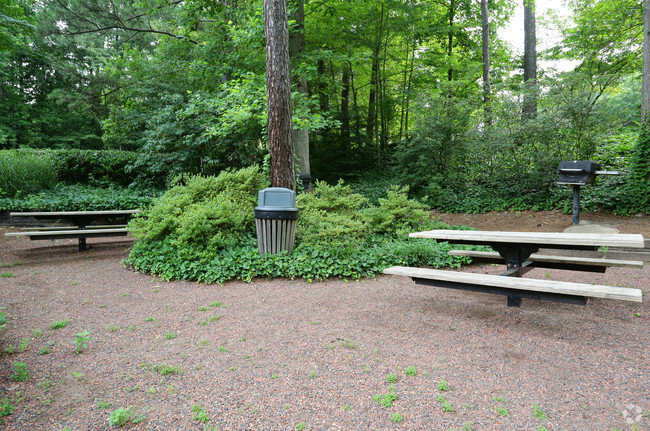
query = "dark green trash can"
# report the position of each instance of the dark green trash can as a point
(275, 220)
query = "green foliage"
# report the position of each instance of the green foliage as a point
(24, 172)
(199, 413)
(123, 415)
(331, 214)
(204, 213)
(20, 371)
(59, 324)
(387, 399)
(79, 198)
(82, 339)
(638, 185)
(6, 407)
(336, 235)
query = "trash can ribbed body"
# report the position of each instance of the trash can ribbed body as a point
(275, 220)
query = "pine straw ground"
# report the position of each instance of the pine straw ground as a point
(285, 354)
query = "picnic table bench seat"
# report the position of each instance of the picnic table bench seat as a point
(549, 290)
(540, 259)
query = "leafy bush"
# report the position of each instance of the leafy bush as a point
(203, 230)
(84, 166)
(25, 172)
(79, 198)
(208, 213)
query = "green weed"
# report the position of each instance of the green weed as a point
(6, 407)
(59, 324)
(170, 336)
(391, 378)
(20, 371)
(411, 371)
(397, 418)
(443, 386)
(199, 413)
(539, 413)
(82, 339)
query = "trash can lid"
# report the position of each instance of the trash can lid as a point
(276, 198)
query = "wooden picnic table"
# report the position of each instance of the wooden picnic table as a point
(515, 250)
(81, 219)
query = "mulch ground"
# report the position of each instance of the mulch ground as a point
(280, 354)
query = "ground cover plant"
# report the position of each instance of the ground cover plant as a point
(203, 229)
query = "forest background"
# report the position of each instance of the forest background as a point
(123, 96)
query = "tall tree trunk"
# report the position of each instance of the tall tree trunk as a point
(296, 48)
(345, 107)
(529, 108)
(374, 79)
(278, 90)
(645, 92)
(485, 26)
(450, 38)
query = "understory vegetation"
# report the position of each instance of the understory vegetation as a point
(203, 229)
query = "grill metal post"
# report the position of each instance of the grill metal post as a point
(576, 204)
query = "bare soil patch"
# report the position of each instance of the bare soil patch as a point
(274, 354)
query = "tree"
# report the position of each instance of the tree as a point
(485, 27)
(529, 108)
(645, 91)
(296, 49)
(278, 90)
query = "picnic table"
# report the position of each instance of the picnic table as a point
(82, 225)
(517, 251)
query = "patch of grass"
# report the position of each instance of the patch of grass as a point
(132, 328)
(170, 336)
(123, 416)
(446, 405)
(103, 404)
(165, 370)
(222, 349)
(313, 375)
(203, 308)
(199, 413)
(539, 413)
(443, 386)
(468, 426)
(215, 318)
(347, 407)
(20, 371)
(9, 265)
(6, 407)
(150, 319)
(7, 275)
(216, 304)
(397, 418)
(45, 350)
(37, 333)
(203, 323)
(126, 295)
(301, 426)
(501, 411)
(24, 344)
(112, 328)
(387, 399)
(499, 399)
(82, 339)
(59, 324)
(274, 376)
(411, 371)
(391, 378)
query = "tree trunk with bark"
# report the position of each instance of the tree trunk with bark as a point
(485, 26)
(278, 90)
(296, 48)
(645, 91)
(529, 108)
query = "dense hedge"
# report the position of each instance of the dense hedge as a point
(185, 235)
(87, 166)
(79, 197)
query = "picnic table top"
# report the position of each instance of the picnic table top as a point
(534, 238)
(71, 213)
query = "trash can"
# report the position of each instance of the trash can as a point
(275, 219)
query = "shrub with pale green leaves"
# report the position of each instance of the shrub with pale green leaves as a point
(25, 172)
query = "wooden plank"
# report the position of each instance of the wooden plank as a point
(70, 233)
(541, 238)
(549, 286)
(55, 214)
(54, 228)
(492, 255)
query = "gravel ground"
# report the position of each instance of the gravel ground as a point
(272, 355)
